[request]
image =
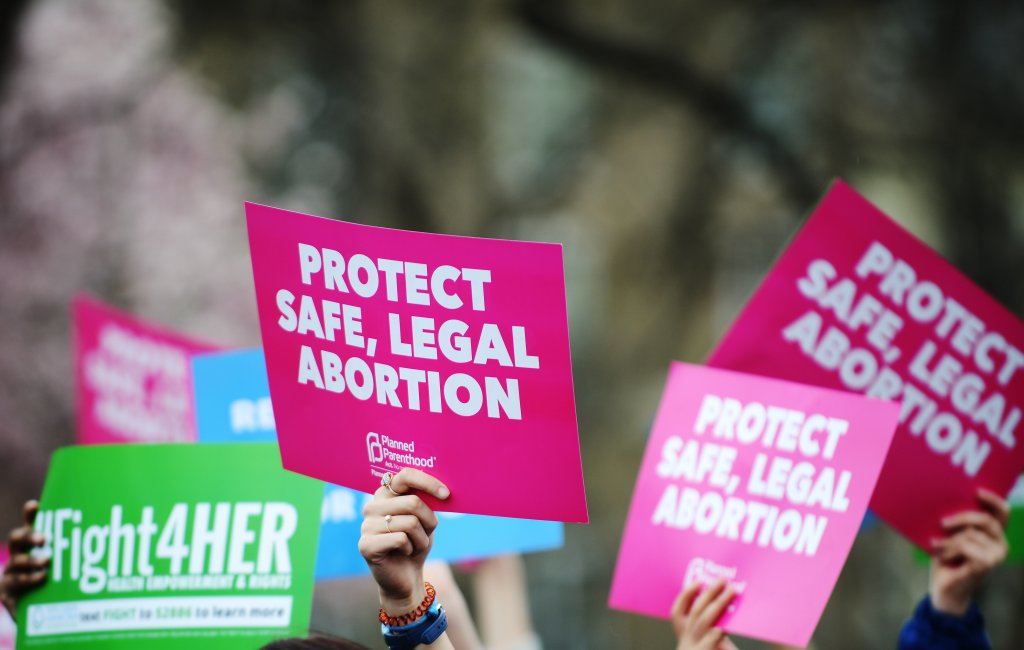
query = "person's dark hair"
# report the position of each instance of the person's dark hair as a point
(314, 643)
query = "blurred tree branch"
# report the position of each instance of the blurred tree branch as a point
(719, 105)
(976, 148)
(10, 17)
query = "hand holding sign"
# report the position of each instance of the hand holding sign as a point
(695, 613)
(396, 538)
(757, 482)
(975, 546)
(396, 556)
(23, 572)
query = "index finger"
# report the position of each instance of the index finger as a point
(29, 511)
(23, 540)
(707, 594)
(715, 609)
(983, 521)
(995, 505)
(413, 479)
(683, 602)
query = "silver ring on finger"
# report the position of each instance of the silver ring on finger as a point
(386, 482)
(387, 522)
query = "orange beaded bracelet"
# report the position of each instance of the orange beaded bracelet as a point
(414, 615)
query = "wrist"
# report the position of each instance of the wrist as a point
(947, 603)
(423, 631)
(396, 604)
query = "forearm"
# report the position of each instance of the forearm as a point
(396, 538)
(442, 643)
(461, 628)
(503, 603)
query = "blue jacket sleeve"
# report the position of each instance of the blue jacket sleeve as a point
(929, 629)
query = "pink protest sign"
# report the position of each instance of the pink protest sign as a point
(859, 304)
(388, 349)
(758, 481)
(7, 630)
(134, 381)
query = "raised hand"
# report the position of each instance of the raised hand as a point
(397, 534)
(976, 544)
(23, 572)
(695, 612)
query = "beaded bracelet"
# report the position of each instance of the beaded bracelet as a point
(414, 615)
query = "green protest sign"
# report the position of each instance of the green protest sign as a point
(1015, 529)
(157, 546)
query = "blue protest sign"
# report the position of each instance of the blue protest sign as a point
(232, 399)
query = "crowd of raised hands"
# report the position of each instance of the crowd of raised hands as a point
(398, 532)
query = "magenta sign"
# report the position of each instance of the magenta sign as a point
(388, 349)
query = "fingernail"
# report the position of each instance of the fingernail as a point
(443, 492)
(38, 539)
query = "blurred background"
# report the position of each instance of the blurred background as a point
(673, 147)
